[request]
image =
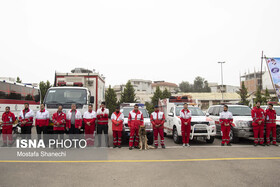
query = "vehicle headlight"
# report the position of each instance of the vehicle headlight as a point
(242, 123)
(147, 124)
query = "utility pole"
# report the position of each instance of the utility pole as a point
(222, 79)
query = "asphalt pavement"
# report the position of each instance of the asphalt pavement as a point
(202, 164)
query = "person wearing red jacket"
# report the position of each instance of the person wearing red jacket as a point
(8, 119)
(26, 120)
(59, 121)
(270, 122)
(102, 124)
(135, 120)
(74, 122)
(42, 122)
(89, 121)
(117, 127)
(225, 122)
(157, 119)
(258, 124)
(185, 116)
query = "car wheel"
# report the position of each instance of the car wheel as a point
(233, 137)
(176, 137)
(278, 134)
(150, 138)
(211, 140)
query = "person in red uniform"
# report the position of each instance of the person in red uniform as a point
(185, 116)
(102, 124)
(89, 121)
(59, 122)
(157, 119)
(135, 120)
(117, 127)
(8, 119)
(42, 122)
(26, 120)
(225, 121)
(270, 122)
(258, 124)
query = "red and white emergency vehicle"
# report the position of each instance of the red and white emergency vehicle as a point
(81, 87)
(201, 126)
(14, 95)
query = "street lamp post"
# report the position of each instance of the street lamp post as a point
(222, 79)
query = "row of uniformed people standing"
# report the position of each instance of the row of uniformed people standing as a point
(261, 119)
(72, 122)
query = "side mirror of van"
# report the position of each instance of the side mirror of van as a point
(207, 114)
(91, 99)
(171, 114)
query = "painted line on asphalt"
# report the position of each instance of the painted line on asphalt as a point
(135, 161)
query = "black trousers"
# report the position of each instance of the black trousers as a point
(40, 131)
(74, 133)
(26, 132)
(102, 128)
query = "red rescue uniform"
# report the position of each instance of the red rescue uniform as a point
(157, 119)
(135, 120)
(60, 118)
(117, 127)
(225, 118)
(8, 119)
(270, 122)
(89, 117)
(258, 116)
(185, 116)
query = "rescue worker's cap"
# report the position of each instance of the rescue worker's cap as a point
(117, 107)
(156, 106)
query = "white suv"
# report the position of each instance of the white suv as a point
(201, 126)
(242, 121)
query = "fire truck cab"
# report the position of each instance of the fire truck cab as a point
(201, 126)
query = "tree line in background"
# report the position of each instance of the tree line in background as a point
(129, 96)
(199, 85)
(263, 98)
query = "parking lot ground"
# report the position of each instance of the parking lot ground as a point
(176, 166)
(202, 164)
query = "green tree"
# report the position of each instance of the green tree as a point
(166, 94)
(44, 86)
(266, 97)
(128, 95)
(243, 92)
(149, 107)
(157, 96)
(206, 87)
(258, 96)
(18, 80)
(198, 84)
(111, 99)
(185, 86)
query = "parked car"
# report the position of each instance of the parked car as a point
(201, 126)
(242, 121)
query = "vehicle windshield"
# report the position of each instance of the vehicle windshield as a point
(239, 111)
(194, 110)
(277, 109)
(66, 96)
(126, 111)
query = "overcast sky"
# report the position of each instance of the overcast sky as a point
(145, 39)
